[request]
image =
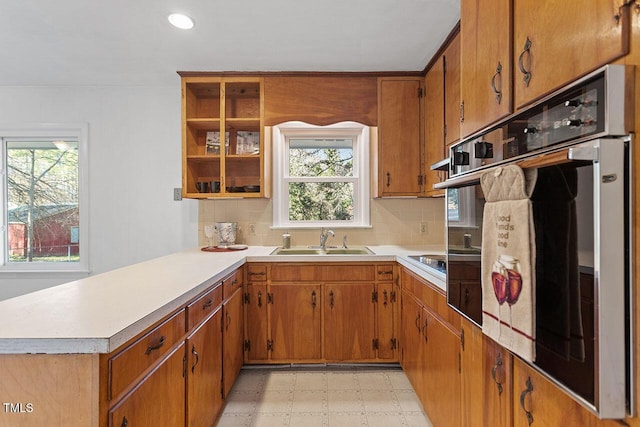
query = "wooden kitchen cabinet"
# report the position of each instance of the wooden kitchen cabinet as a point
(295, 322)
(399, 164)
(556, 42)
(538, 402)
(442, 112)
(386, 321)
(431, 350)
(256, 333)
(349, 321)
(204, 371)
(486, 380)
(485, 62)
(232, 335)
(222, 137)
(158, 400)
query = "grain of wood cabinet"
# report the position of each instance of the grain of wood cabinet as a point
(442, 112)
(554, 43)
(204, 371)
(431, 351)
(223, 137)
(317, 312)
(158, 400)
(399, 136)
(232, 344)
(486, 380)
(486, 70)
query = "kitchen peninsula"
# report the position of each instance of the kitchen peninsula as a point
(60, 346)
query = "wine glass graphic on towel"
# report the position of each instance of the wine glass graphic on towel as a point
(507, 282)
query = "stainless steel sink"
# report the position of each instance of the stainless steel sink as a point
(303, 250)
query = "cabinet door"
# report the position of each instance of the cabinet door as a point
(485, 55)
(385, 320)
(204, 372)
(566, 40)
(486, 372)
(349, 321)
(295, 321)
(256, 322)
(442, 377)
(434, 124)
(451, 59)
(232, 334)
(400, 136)
(158, 400)
(411, 340)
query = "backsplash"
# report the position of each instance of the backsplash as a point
(394, 222)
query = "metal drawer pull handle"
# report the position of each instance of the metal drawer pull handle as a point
(385, 272)
(497, 91)
(527, 73)
(259, 298)
(157, 346)
(493, 373)
(385, 297)
(331, 299)
(417, 322)
(313, 299)
(424, 330)
(524, 393)
(388, 179)
(207, 304)
(197, 356)
(125, 422)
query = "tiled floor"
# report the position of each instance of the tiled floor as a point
(326, 396)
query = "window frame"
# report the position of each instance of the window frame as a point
(47, 131)
(359, 133)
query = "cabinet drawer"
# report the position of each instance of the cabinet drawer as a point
(384, 272)
(126, 365)
(323, 273)
(204, 305)
(231, 283)
(256, 273)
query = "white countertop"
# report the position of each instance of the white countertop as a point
(99, 313)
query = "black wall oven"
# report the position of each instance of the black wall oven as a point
(578, 141)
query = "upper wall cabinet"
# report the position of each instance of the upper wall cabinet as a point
(442, 122)
(223, 146)
(399, 136)
(485, 55)
(556, 42)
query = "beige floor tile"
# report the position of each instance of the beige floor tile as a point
(309, 420)
(408, 401)
(385, 419)
(380, 401)
(344, 401)
(250, 381)
(234, 420)
(373, 381)
(342, 381)
(277, 380)
(309, 401)
(399, 380)
(241, 402)
(346, 420)
(270, 420)
(311, 381)
(274, 401)
(417, 419)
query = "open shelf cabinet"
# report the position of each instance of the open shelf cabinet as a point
(223, 147)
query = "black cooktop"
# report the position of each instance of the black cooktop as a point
(437, 262)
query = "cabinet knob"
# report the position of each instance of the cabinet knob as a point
(494, 370)
(197, 357)
(155, 346)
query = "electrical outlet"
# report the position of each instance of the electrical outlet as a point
(252, 229)
(177, 194)
(423, 228)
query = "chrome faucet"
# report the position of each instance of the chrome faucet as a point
(324, 235)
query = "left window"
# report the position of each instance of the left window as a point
(44, 214)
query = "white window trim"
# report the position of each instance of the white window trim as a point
(80, 132)
(360, 135)
(466, 209)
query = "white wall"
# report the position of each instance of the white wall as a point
(134, 164)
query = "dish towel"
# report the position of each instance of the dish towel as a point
(508, 260)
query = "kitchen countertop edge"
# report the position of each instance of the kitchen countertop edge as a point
(89, 307)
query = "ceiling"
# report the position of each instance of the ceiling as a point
(130, 42)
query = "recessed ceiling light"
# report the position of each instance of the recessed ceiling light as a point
(181, 21)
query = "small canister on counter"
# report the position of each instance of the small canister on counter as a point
(286, 240)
